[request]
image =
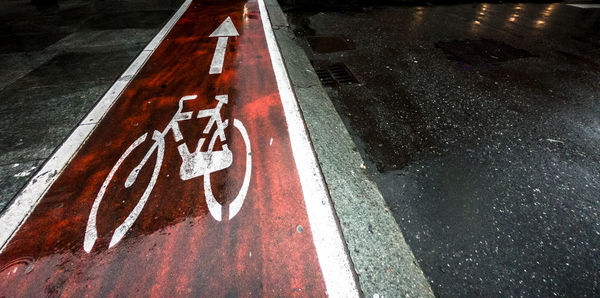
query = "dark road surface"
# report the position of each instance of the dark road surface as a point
(481, 126)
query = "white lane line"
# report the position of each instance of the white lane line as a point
(585, 6)
(109, 98)
(117, 88)
(18, 212)
(334, 261)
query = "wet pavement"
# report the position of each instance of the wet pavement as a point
(56, 60)
(480, 125)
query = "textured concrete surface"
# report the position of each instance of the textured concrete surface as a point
(382, 259)
(56, 61)
(14, 176)
(489, 160)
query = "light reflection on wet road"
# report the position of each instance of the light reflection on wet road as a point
(489, 160)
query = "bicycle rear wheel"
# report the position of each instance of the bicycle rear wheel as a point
(91, 232)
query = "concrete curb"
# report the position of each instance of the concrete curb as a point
(383, 261)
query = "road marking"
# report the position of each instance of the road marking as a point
(196, 164)
(585, 6)
(29, 197)
(334, 262)
(223, 32)
(91, 233)
(234, 207)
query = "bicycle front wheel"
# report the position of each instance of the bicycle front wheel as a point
(234, 207)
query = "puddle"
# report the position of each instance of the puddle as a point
(330, 44)
(19, 266)
(481, 51)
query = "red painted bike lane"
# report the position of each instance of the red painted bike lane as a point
(215, 204)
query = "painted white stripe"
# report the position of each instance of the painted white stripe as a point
(109, 98)
(36, 188)
(16, 214)
(331, 253)
(585, 6)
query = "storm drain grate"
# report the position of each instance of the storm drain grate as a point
(335, 75)
(325, 77)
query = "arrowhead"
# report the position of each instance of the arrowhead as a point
(225, 29)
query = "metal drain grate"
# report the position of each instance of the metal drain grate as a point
(335, 75)
(325, 77)
(342, 74)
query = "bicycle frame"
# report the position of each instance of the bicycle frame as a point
(197, 163)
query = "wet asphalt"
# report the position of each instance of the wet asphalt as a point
(480, 124)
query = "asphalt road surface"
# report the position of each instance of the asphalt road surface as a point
(481, 126)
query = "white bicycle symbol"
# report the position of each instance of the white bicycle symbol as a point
(194, 164)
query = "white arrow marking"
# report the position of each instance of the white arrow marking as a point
(223, 32)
